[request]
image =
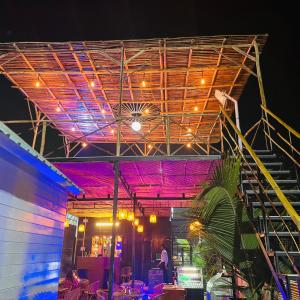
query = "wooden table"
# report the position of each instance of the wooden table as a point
(172, 292)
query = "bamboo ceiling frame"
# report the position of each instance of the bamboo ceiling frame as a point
(171, 68)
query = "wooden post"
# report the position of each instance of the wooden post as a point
(43, 138)
(168, 135)
(113, 234)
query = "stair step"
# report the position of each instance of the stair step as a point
(277, 204)
(262, 156)
(272, 192)
(278, 181)
(291, 253)
(266, 164)
(276, 218)
(284, 233)
(262, 151)
(272, 172)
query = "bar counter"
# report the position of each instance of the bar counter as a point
(96, 267)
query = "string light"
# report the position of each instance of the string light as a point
(123, 214)
(103, 111)
(202, 81)
(147, 110)
(84, 145)
(189, 130)
(92, 84)
(196, 108)
(112, 131)
(136, 222)
(143, 83)
(73, 129)
(37, 84)
(189, 145)
(149, 146)
(58, 109)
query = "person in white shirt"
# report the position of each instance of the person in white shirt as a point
(163, 264)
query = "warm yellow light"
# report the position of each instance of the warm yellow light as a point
(189, 145)
(136, 222)
(202, 81)
(67, 223)
(140, 228)
(92, 84)
(37, 84)
(81, 228)
(196, 225)
(143, 83)
(58, 109)
(149, 146)
(192, 227)
(147, 111)
(153, 218)
(196, 108)
(123, 214)
(84, 145)
(189, 130)
(103, 111)
(119, 238)
(130, 216)
(112, 131)
(106, 224)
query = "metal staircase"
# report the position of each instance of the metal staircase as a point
(276, 230)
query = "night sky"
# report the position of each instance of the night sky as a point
(66, 20)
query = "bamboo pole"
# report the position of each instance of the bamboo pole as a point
(43, 140)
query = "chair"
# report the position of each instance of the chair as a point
(91, 291)
(73, 295)
(126, 273)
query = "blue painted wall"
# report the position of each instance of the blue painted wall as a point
(32, 215)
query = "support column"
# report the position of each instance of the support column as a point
(133, 243)
(113, 234)
(168, 135)
(118, 146)
(43, 137)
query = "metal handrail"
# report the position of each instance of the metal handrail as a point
(285, 202)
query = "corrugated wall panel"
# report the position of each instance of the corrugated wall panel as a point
(32, 214)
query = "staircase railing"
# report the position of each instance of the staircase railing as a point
(229, 134)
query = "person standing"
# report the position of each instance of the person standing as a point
(163, 264)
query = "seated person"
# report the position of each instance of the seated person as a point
(71, 281)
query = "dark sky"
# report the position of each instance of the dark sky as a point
(103, 20)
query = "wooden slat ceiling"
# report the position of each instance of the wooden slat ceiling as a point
(79, 87)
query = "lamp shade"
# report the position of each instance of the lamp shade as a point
(153, 218)
(140, 228)
(136, 222)
(81, 228)
(123, 214)
(130, 216)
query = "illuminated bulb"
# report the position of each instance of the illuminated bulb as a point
(149, 146)
(67, 223)
(189, 145)
(147, 110)
(136, 222)
(81, 228)
(130, 216)
(84, 145)
(73, 129)
(153, 218)
(202, 81)
(123, 214)
(136, 126)
(103, 111)
(192, 227)
(143, 83)
(112, 131)
(119, 239)
(140, 228)
(58, 109)
(189, 130)
(92, 84)
(37, 84)
(196, 108)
